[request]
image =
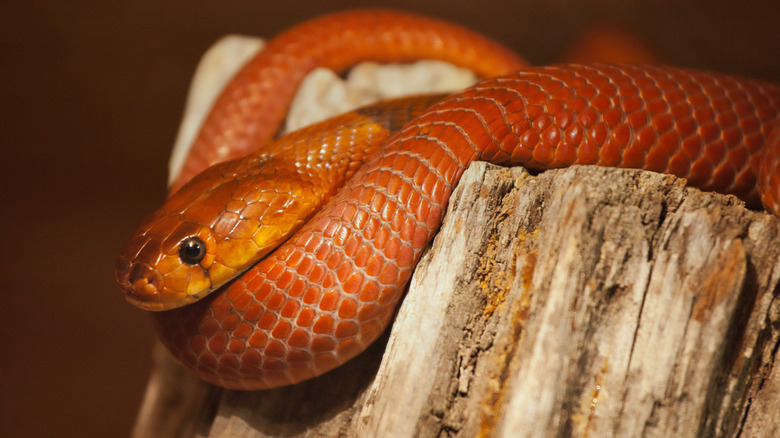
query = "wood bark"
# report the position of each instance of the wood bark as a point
(578, 302)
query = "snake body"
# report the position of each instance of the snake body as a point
(331, 289)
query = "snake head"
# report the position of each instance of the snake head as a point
(211, 230)
(169, 263)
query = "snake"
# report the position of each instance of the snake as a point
(278, 265)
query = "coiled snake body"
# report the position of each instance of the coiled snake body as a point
(330, 290)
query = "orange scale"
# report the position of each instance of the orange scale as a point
(656, 160)
(290, 309)
(389, 296)
(699, 99)
(285, 280)
(348, 308)
(679, 165)
(505, 147)
(335, 260)
(344, 270)
(251, 359)
(328, 281)
(669, 142)
(587, 152)
(329, 301)
(563, 119)
(298, 339)
(312, 295)
(297, 288)
(361, 256)
(281, 330)
(542, 122)
(275, 271)
(529, 138)
(709, 132)
(700, 172)
(267, 321)
(276, 301)
(305, 266)
(659, 107)
(576, 105)
(681, 110)
(633, 157)
(551, 135)
(406, 231)
(221, 309)
(637, 120)
(236, 346)
(574, 134)
(254, 312)
(326, 362)
(663, 123)
(597, 133)
(646, 138)
(346, 329)
(317, 273)
(242, 302)
(600, 102)
(368, 312)
(209, 327)
(392, 248)
(565, 153)
(703, 115)
(348, 348)
(361, 218)
(675, 96)
(305, 318)
(271, 365)
(323, 251)
(754, 141)
(294, 259)
(353, 283)
(242, 331)
(543, 153)
(309, 242)
(369, 331)
(260, 288)
(724, 175)
(234, 292)
(323, 325)
(738, 156)
(218, 343)
(732, 136)
(351, 245)
(274, 349)
(207, 361)
(322, 344)
(298, 357)
(230, 322)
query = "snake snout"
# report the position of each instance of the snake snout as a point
(141, 283)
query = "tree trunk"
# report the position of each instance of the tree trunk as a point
(579, 302)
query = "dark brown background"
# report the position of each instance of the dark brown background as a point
(92, 92)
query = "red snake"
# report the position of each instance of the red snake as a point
(370, 206)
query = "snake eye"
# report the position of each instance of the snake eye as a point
(192, 250)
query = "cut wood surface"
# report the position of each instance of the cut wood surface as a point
(578, 302)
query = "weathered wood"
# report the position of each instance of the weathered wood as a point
(584, 301)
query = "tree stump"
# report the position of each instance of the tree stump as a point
(577, 302)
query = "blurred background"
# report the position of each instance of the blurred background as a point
(91, 95)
